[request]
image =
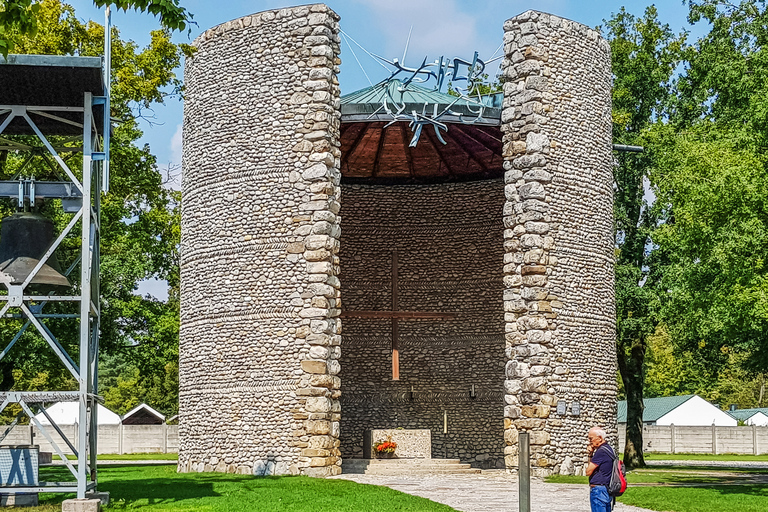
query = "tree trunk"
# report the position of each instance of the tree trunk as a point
(631, 364)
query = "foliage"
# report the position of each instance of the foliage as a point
(716, 191)
(21, 18)
(645, 54)
(140, 224)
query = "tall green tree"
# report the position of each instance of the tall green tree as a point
(712, 187)
(23, 16)
(140, 217)
(645, 54)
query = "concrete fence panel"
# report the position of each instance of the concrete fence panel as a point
(708, 440)
(111, 438)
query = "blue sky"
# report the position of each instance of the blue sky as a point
(440, 28)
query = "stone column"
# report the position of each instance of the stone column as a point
(558, 299)
(259, 339)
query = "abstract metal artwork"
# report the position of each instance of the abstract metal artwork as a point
(454, 70)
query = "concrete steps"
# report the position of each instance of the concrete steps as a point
(394, 467)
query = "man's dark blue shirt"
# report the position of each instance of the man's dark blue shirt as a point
(603, 458)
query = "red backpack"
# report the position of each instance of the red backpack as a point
(618, 483)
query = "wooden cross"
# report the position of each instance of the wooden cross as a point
(396, 316)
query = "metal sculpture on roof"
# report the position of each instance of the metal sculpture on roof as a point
(431, 114)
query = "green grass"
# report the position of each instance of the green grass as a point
(702, 456)
(747, 496)
(738, 498)
(130, 456)
(160, 488)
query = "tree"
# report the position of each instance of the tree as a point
(711, 185)
(22, 16)
(645, 54)
(140, 218)
(712, 181)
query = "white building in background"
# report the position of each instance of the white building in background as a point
(758, 416)
(67, 413)
(685, 410)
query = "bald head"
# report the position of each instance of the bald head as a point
(597, 432)
(596, 438)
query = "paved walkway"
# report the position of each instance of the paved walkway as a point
(489, 491)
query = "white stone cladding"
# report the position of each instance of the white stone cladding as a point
(559, 284)
(531, 268)
(259, 342)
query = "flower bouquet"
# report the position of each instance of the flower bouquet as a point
(385, 449)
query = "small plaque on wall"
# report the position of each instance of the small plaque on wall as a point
(561, 406)
(575, 408)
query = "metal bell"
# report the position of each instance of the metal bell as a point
(24, 239)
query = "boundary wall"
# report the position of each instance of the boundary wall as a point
(748, 440)
(113, 439)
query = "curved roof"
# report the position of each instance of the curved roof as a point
(375, 151)
(366, 104)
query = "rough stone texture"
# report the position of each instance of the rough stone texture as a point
(259, 293)
(449, 239)
(81, 505)
(558, 273)
(527, 264)
(411, 443)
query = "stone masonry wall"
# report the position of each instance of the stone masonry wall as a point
(558, 273)
(449, 239)
(259, 343)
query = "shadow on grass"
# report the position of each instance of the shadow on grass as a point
(161, 488)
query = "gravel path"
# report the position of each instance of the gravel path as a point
(488, 492)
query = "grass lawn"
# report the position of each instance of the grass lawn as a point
(745, 497)
(703, 456)
(160, 488)
(130, 456)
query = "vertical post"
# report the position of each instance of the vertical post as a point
(672, 438)
(754, 440)
(120, 438)
(714, 439)
(395, 333)
(85, 297)
(165, 437)
(107, 92)
(524, 471)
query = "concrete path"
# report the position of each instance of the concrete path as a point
(488, 492)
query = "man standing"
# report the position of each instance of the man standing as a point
(599, 470)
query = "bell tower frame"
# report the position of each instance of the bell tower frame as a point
(44, 96)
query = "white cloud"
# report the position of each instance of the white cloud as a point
(154, 288)
(439, 28)
(173, 171)
(176, 146)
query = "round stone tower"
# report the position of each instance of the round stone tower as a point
(530, 343)
(259, 343)
(558, 273)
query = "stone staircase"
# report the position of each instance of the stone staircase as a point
(407, 467)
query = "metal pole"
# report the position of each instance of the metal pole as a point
(524, 471)
(86, 265)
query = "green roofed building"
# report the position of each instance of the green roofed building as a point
(757, 416)
(684, 410)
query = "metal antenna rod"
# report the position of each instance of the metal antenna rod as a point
(407, 42)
